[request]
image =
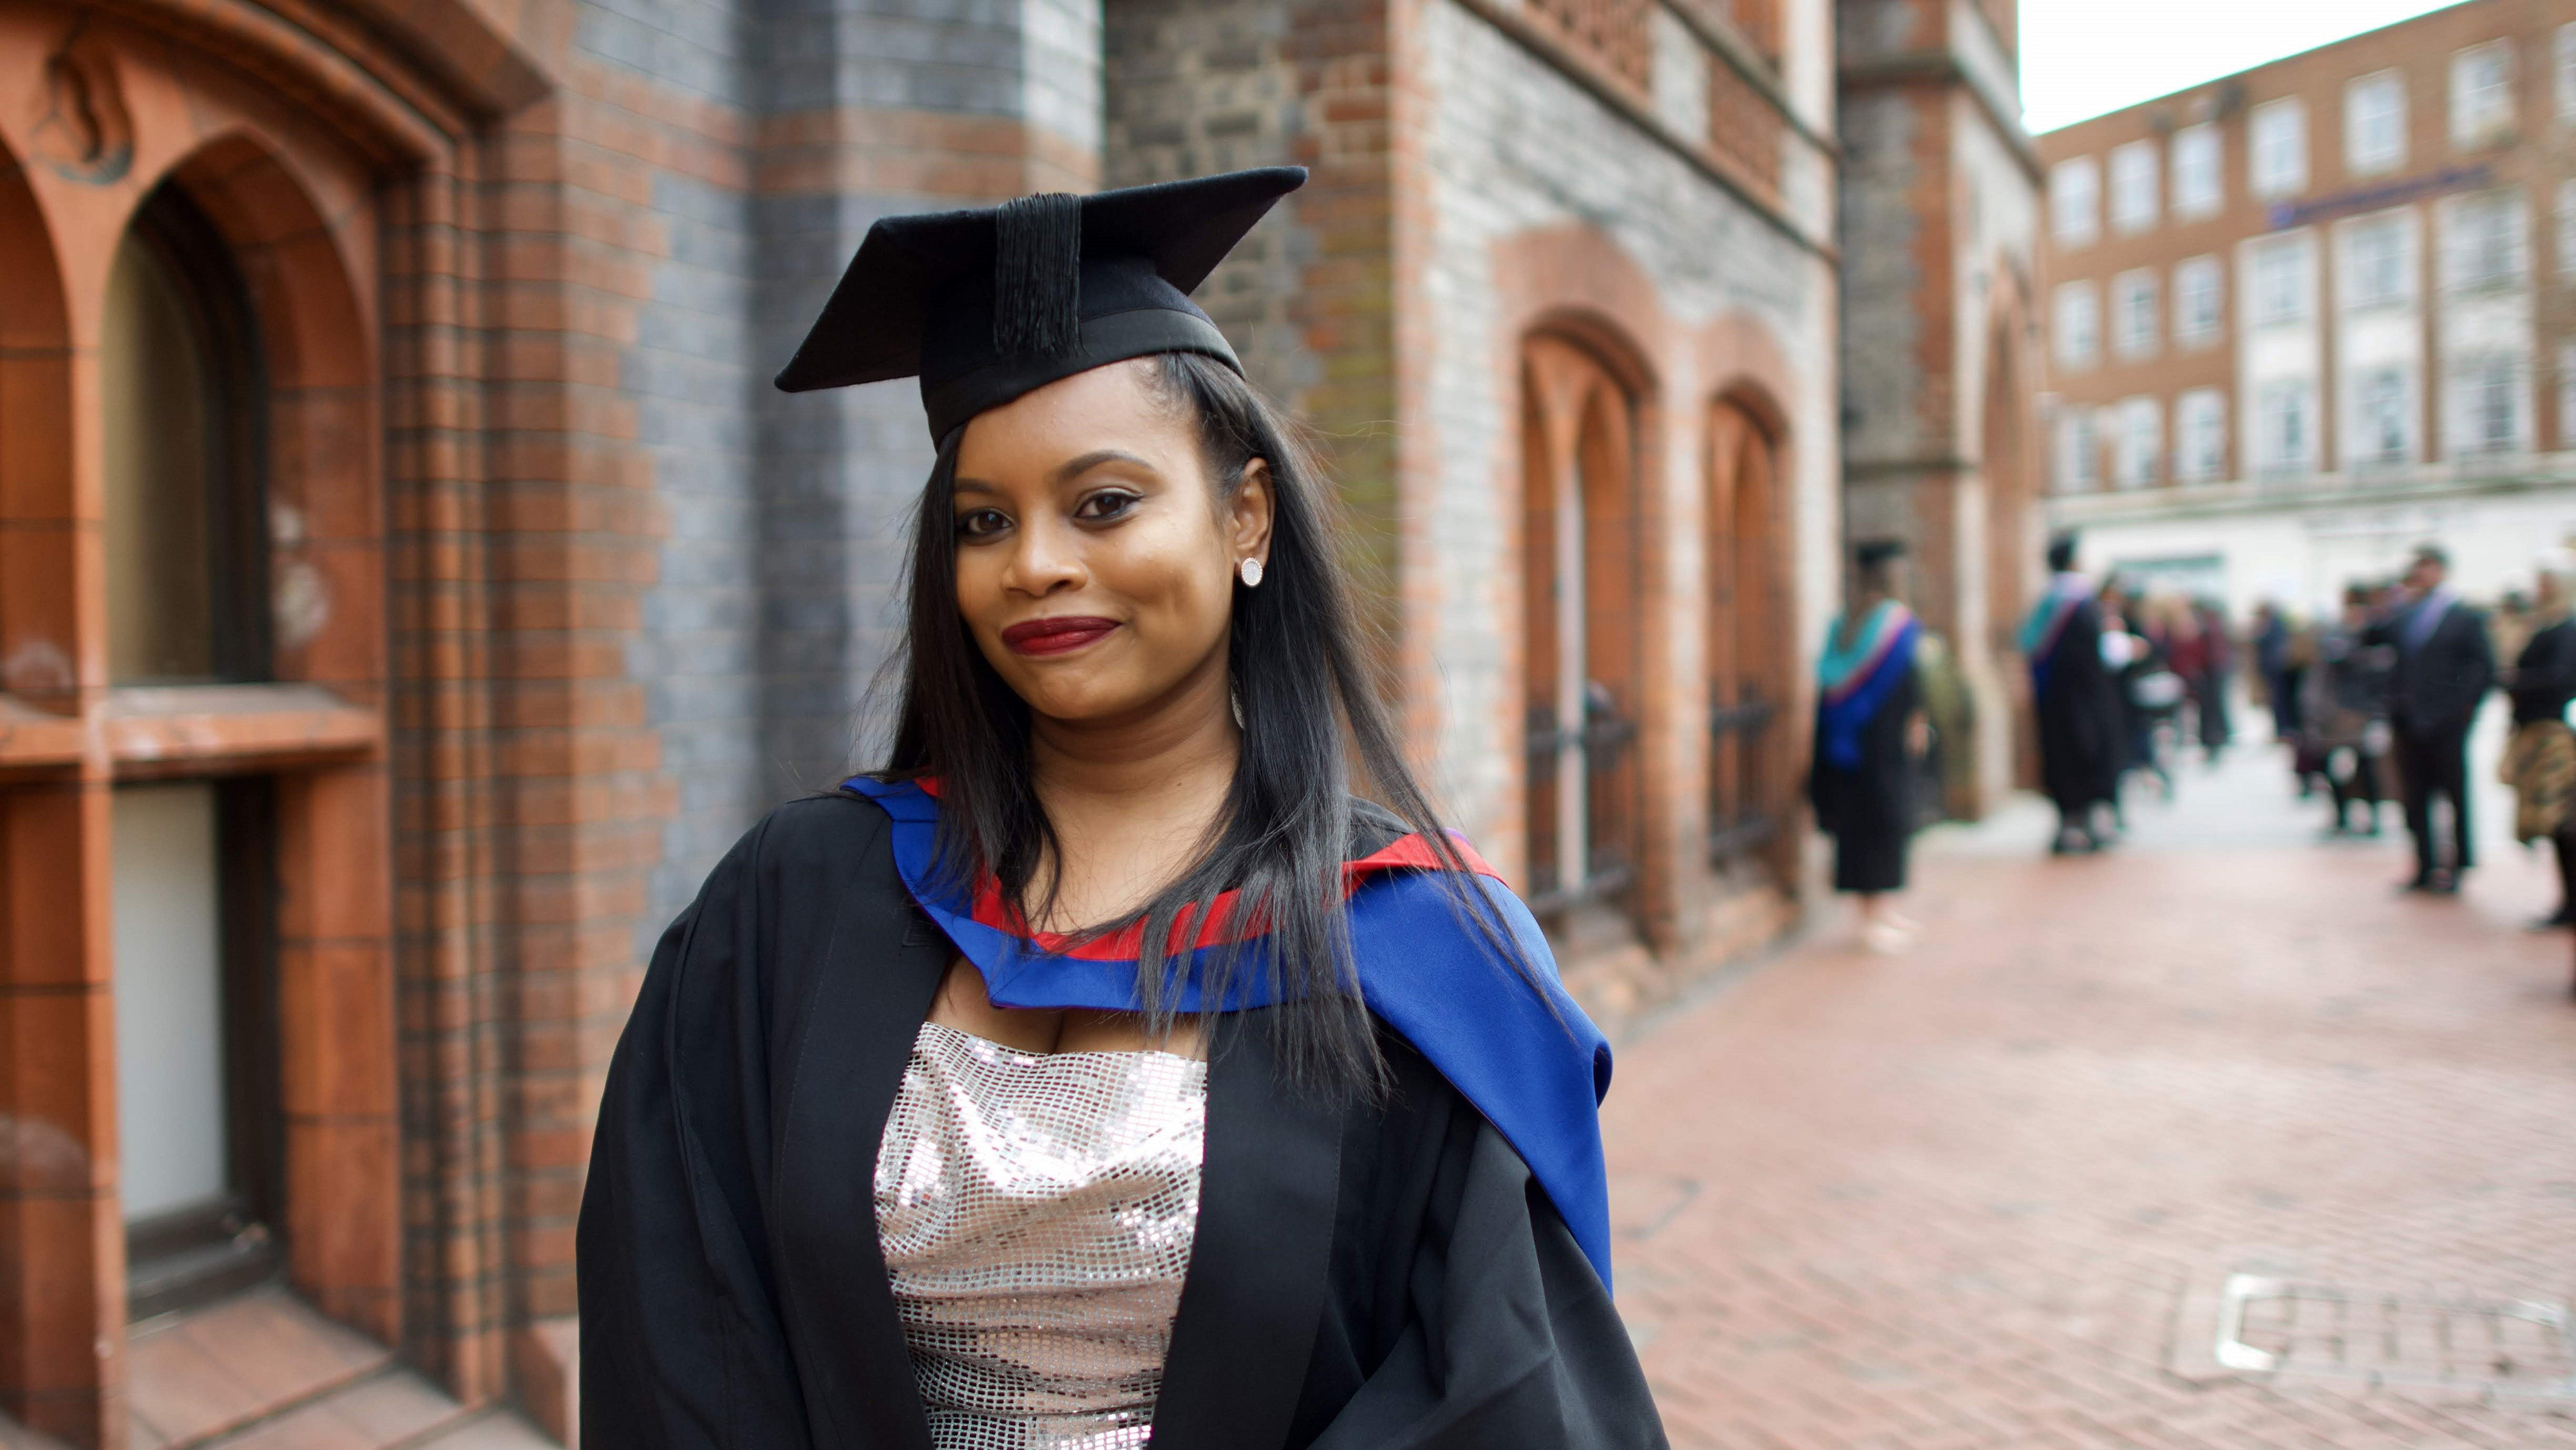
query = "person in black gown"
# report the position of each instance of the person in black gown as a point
(1117, 821)
(2540, 756)
(2082, 740)
(2442, 668)
(1870, 729)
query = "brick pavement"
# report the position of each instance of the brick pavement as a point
(1980, 1197)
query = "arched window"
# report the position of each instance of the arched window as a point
(179, 400)
(1749, 649)
(1582, 581)
(180, 395)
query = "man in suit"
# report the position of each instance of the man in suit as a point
(2444, 668)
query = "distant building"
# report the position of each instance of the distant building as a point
(1939, 223)
(2312, 314)
(410, 585)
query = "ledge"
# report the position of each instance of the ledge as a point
(152, 728)
(190, 729)
(34, 739)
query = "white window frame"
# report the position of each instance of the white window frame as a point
(2276, 453)
(2358, 267)
(2200, 435)
(2482, 241)
(2374, 123)
(2199, 171)
(2134, 328)
(2076, 322)
(2567, 395)
(2134, 182)
(2281, 281)
(2367, 444)
(2079, 449)
(2481, 94)
(2276, 141)
(2566, 72)
(2566, 224)
(2075, 202)
(2188, 273)
(2140, 441)
(2477, 380)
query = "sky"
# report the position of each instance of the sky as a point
(2080, 58)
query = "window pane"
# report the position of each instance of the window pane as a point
(2196, 189)
(180, 407)
(2280, 141)
(153, 393)
(170, 1102)
(2567, 72)
(2133, 186)
(2075, 201)
(2375, 124)
(2481, 93)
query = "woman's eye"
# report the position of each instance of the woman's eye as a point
(1105, 505)
(981, 523)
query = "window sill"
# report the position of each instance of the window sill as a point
(151, 730)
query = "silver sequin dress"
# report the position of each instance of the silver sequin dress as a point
(1036, 1211)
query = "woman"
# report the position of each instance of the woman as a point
(1869, 730)
(1100, 1069)
(2149, 688)
(2347, 712)
(2540, 757)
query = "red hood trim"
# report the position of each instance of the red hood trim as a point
(1409, 852)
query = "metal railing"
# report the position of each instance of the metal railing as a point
(1604, 741)
(1738, 816)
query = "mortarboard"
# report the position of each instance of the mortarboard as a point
(1870, 553)
(987, 304)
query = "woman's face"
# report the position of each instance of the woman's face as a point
(1095, 561)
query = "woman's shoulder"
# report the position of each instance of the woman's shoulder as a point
(830, 833)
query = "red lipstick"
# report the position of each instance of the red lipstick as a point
(1061, 635)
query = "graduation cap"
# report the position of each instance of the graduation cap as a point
(1870, 553)
(987, 304)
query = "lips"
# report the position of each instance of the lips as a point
(1055, 636)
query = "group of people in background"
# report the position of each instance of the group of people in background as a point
(2375, 703)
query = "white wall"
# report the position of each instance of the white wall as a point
(2306, 555)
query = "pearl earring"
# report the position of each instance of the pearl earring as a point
(1251, 571)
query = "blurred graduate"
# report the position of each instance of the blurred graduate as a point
(1870, 731)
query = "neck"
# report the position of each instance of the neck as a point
(1171, 759)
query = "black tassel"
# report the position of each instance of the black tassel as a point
(1037, 275)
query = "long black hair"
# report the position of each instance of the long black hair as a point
(1301, 667)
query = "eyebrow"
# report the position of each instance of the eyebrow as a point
(1064, 473)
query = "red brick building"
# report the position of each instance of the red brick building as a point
(2307, 316)
(409, 584)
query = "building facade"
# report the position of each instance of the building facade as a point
(1939, 220)
(409, 584)
(2308, 316)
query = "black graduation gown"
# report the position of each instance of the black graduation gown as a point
(1365, 1276)
(2082, 735)
(1870, 811)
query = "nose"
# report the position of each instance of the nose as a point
(1046, 558)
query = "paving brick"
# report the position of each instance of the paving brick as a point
(1955, 1198)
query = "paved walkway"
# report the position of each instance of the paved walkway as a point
(1988, 1196)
